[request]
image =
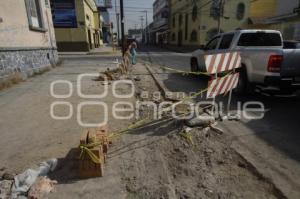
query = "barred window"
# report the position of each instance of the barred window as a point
(34, 14)
(180, 20)
(173, 37)
(194, 35)
(195, 13)
(174, 22)
(240, 13)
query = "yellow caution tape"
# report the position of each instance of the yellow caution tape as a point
(188, 137)
(185, 72)
(86, 150)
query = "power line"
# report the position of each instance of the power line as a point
(130, 7)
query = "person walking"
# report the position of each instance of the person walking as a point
(133, 53)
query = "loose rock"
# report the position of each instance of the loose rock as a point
(201, 121)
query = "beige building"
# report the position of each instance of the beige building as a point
(193, 23)
(27, 39)
(277, 14)
(78, 25)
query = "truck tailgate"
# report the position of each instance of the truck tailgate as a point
(291, 63)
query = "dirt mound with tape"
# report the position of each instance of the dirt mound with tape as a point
(170, 166)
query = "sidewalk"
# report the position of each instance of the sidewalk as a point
(105, 49)
(29, 135)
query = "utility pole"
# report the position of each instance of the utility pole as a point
(117, 21)
(118, 26)
(142, 26)
(146, 30)
(220, 14)
(122, 26)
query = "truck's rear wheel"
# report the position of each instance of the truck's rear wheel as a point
(194, 65)
(244, 86)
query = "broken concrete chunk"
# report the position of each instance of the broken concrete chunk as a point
(23, 181)
(201, 121)
(41, 188)
(136, 78)
(188, 129)
(5, 188)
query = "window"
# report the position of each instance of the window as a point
(34, 14)
(195, 13)
(212, 45)
(174, 22)
(194, 35)
(260, 39)
(47, 3)
(240, 13)
(173, 37)
(180, 20)
(186, 26)
(215, 10)
(226, 41)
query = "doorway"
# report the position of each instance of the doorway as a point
(90, 39)
(180, 38)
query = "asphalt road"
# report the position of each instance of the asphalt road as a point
(274, 139)
(163, 57)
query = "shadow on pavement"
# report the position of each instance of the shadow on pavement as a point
(280, 125)
(66, 171)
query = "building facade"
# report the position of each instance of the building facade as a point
(136, 34)
(103, 6)
(77, 25)
(27, 39)
(276, 14)
(106, 25)
(193, 23)
(160, 31)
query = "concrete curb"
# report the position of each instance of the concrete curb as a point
(104, 53)
(165, 91)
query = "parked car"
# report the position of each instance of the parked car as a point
(264, 61)
(291, 44)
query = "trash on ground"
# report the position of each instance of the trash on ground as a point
(24, 181)
(5, 188)
(41, 188)
(201, 121)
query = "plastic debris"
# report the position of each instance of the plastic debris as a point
(23, 181)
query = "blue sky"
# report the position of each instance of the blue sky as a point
(133, 12)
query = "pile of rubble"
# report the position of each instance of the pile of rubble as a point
(33, 183)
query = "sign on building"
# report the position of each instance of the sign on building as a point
(63, 13)
(103, 3)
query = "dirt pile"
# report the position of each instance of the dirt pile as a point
(173, 168)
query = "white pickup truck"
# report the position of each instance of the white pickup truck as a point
(265, 63)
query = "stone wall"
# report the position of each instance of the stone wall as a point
(26, 62)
